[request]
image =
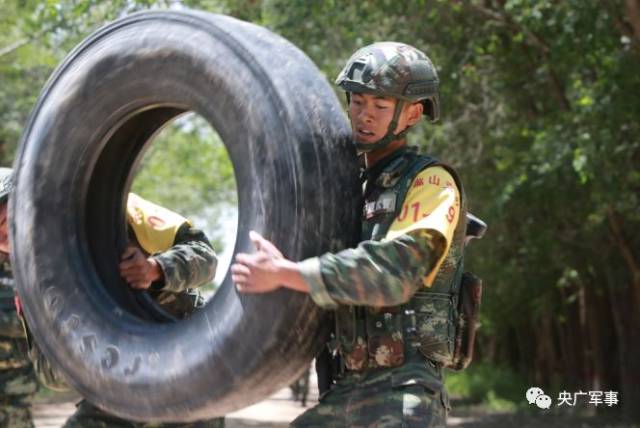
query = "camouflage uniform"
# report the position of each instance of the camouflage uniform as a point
(392, 333)
(187, 260)
(377, 398)
(17, 381)
(394, 295)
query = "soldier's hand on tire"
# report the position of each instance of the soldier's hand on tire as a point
(265, 270)
(262, 244)
(139, 270)
(256, 273)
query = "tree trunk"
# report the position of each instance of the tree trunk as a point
(598, 316)
(625, 325)
(586, 356)
(632, 12)
(615, 224)
(545, 352)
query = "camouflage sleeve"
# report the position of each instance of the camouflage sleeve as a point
(47, 375)
(189, 263)
(10, 325)
(375, 273)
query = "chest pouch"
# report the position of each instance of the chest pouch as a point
(385, 336)
(351, 340)
(431, 316)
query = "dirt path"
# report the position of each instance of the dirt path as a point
(280, 409)
(277, 411)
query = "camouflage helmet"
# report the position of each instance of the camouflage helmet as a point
(395, 70)
(6, 183)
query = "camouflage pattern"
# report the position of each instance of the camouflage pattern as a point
(436, 309)
(432, 315)
(352, 277)
(393, 397)
(6, 183)
(380, 335)
(378, 273)
(17, 381)
(371, 341)
(46, 374)
(386, 320)
(385, 338)
(190, 262)
(393, 70)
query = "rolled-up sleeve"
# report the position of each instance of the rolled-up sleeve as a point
(189, 263)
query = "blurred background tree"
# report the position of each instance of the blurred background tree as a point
(540, 116)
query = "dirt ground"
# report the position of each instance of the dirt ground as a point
(277, 411)
(52, 410)
(280, 409)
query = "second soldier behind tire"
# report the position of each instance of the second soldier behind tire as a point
(168, 258)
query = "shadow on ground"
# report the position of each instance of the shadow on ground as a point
(480, 417)
(278, 410)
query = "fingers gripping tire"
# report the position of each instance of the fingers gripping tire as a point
(295, 170)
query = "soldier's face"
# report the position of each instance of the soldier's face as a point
(372, 114)
(4, 229)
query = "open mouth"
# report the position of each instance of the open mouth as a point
(364, 134)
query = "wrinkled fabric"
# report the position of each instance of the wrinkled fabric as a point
(18, 384)
(386, 294)
(383, 398)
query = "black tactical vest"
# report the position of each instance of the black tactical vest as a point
(369, 337)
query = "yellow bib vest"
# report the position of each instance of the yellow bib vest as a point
(155, 227)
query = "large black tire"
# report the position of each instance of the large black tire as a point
(297, 178)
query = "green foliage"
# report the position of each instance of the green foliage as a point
(187, 169)
(497, 387)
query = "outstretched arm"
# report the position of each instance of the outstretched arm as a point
(373, 274)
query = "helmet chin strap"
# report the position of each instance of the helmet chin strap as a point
(389, 137)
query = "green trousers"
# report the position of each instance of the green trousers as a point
(17, 388)
(412, 395)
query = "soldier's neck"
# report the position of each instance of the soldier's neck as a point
(375, 156)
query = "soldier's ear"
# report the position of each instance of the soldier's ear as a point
(414, 113)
